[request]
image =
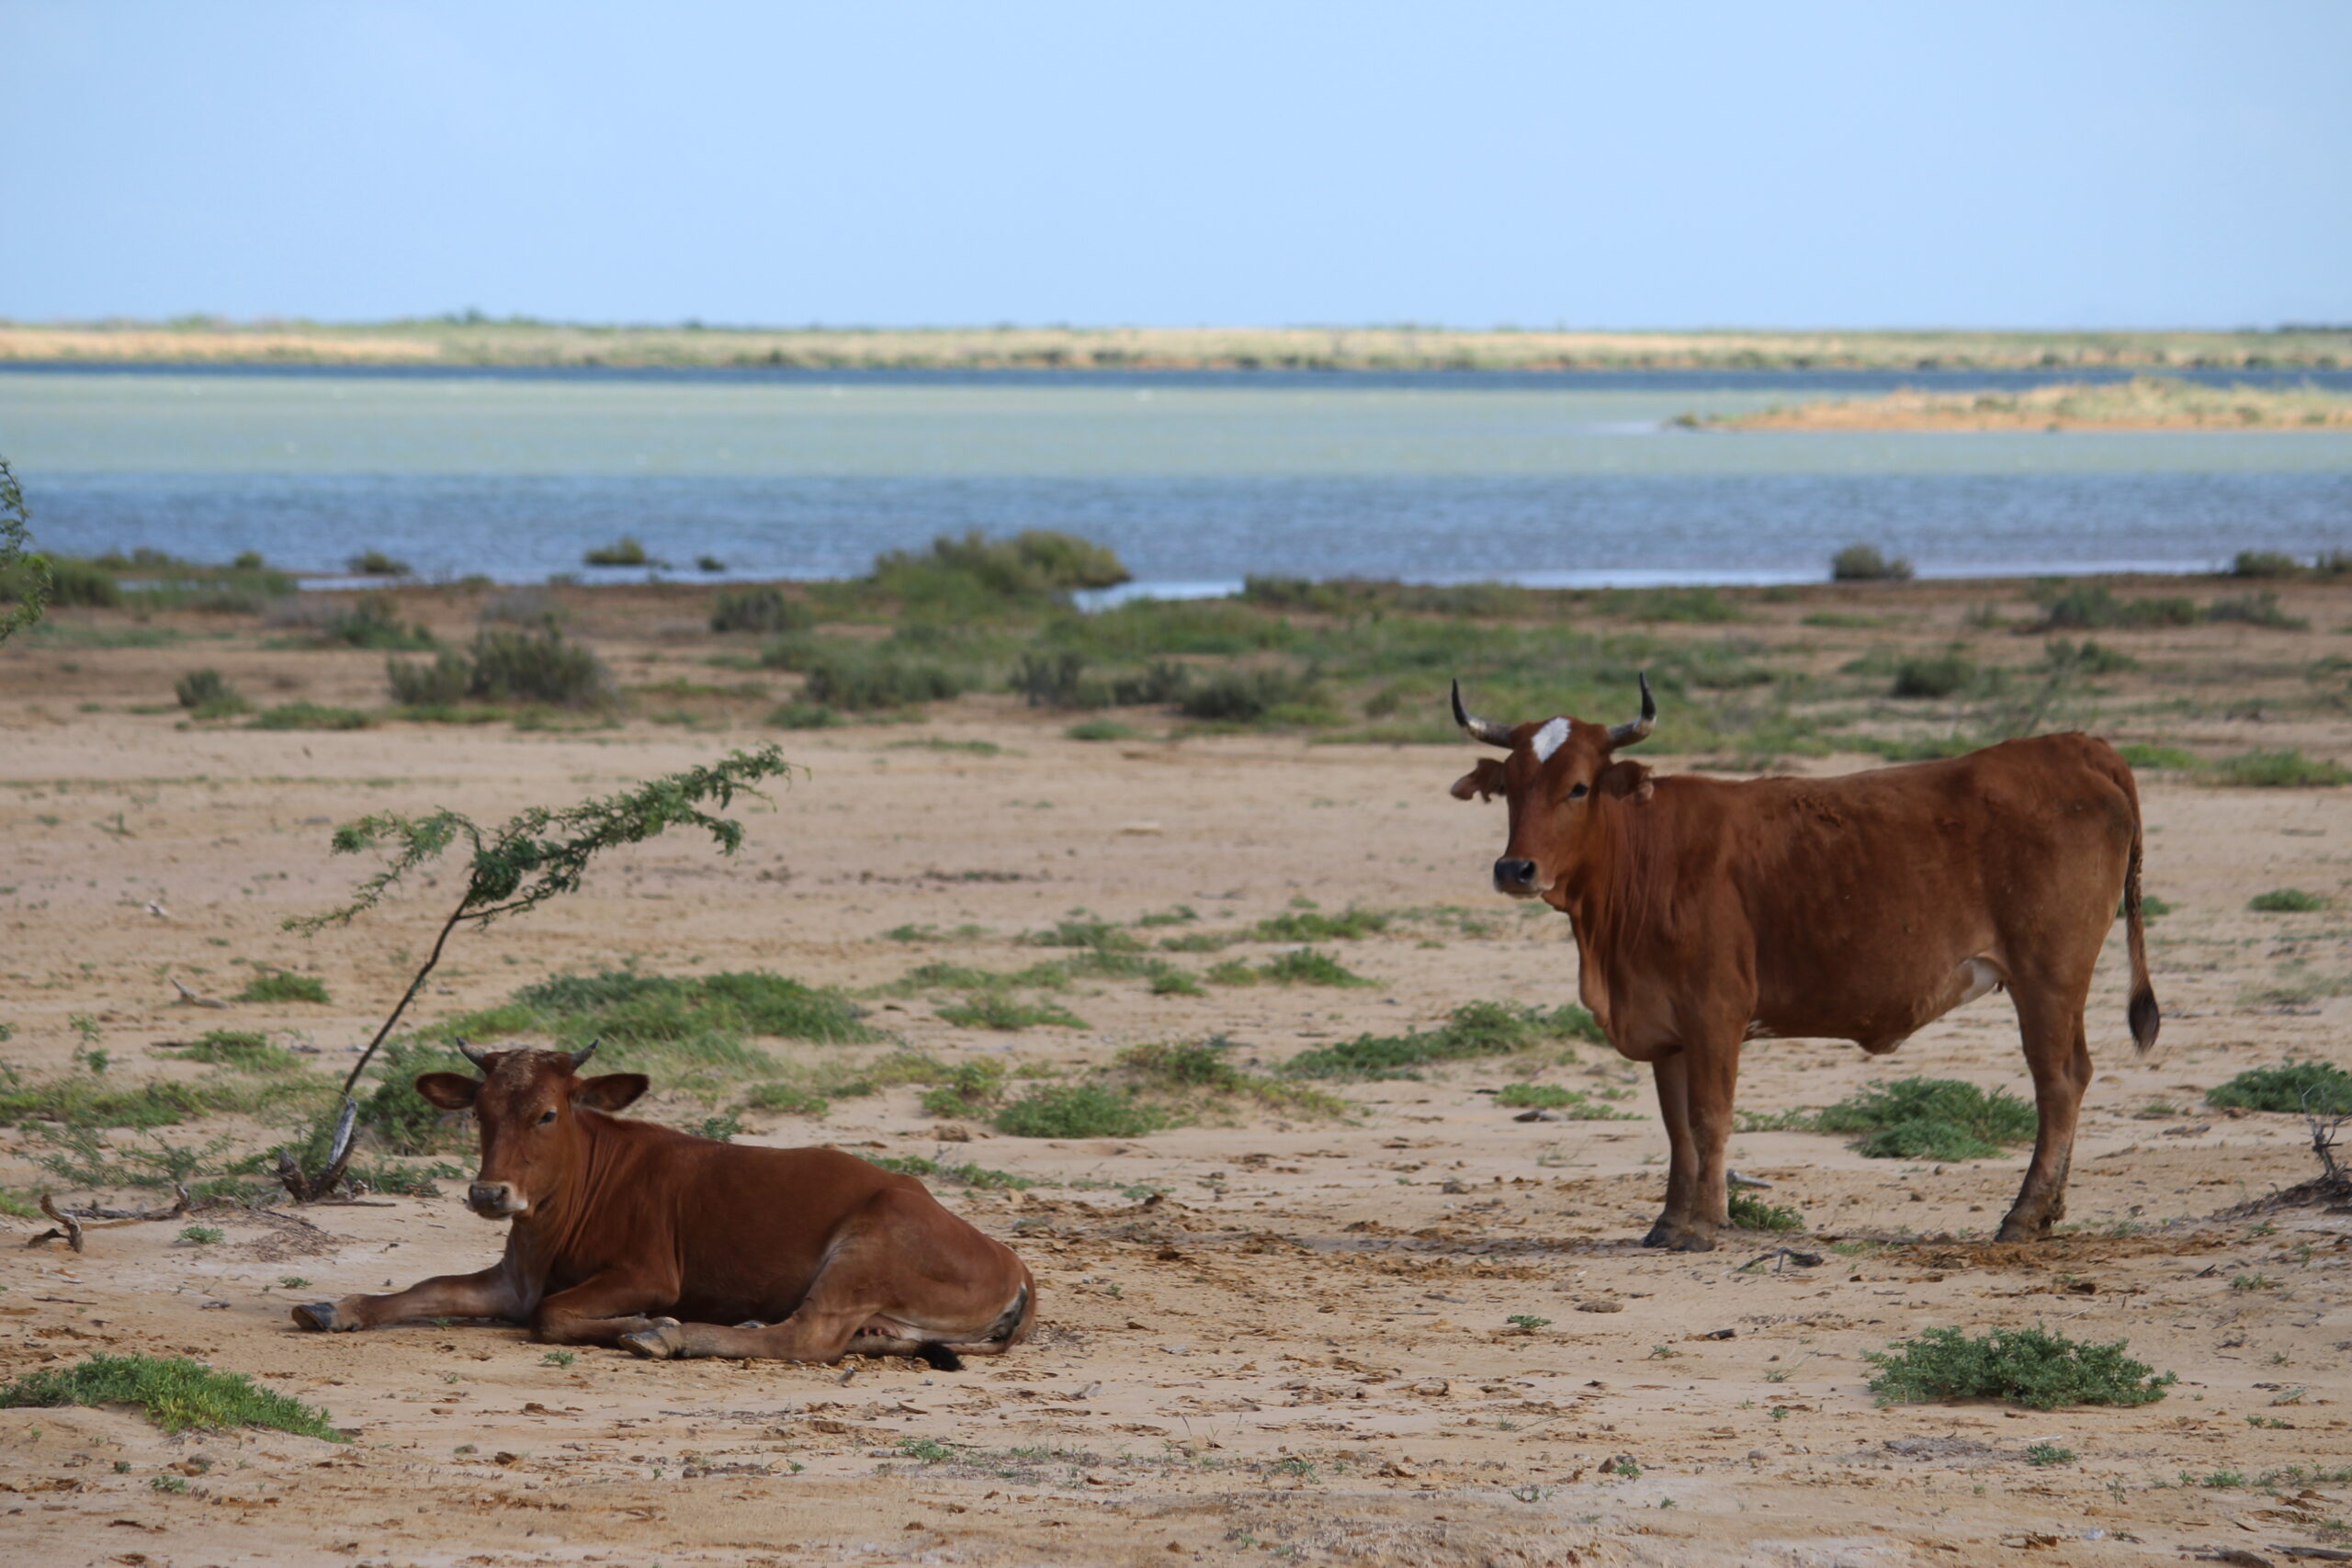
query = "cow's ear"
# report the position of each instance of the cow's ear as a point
(611, 1091)
(1485, 781)
(450, 1091)
(1626, 780)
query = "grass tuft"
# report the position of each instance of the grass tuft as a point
(1755, 1214)
(2287, 901)
(2319, 1088)
(176, 1393)
(1080, 1110)
(283, 985)
(2287, 769)
(1475, 1029)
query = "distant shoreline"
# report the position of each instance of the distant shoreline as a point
(459, 342)
(2144, 402)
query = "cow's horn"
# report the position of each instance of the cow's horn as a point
(479, 1058)
(1484, 729)
(1639, 729)
(579, 1057)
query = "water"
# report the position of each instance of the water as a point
(1195, 480)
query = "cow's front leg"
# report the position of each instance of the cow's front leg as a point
(490, 1294)
(601, 1309)
(1667, 1071)
(1712, 1080)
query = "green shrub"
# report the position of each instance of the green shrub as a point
(1866, 563)
(759, 610)
(624, 551)
(966, 1088)
(2141, 754)
(2070, 606)
(2287, 769)
(1245, 696)
(979, 576)
(2256, 610)
(627, 1010)
(1101, 729)
(369, 621)
(2088, 657)
(2046, 1453)
(2031, 1367)
(1937, 676)
(1079, 1111)
(246, 1050)
(207, 695)
(441, 684)
(375, 563)
(859, 680)
(284, 986)
(1937, 1119)
(2287, 901)
(310, 716)
(1755, 1214)
(73, 583)
(1082, 930)
(402, 1121)
(175, 1394)
(1475, 1029)
(537, 666)
(2318, 1088)
(200, 1236)
(2265, 563)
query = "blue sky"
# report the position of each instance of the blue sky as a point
(1781, 164)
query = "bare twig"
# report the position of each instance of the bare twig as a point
(72, 1232)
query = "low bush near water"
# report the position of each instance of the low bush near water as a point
(175, 1394)
(759, 610)
(2031, 1367)
(1867, 563)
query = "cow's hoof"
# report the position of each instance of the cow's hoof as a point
(664, 1341)
(2018, 1230)
(1692, 1241)
(322, 1317)
(1661, 1234)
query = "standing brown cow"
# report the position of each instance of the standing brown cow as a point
(623, 1228)
(1709, 911)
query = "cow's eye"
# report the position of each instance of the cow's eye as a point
(547, 1118)
(1579, 792)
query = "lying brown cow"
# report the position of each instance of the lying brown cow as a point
(622, 1228)
(1708, 912)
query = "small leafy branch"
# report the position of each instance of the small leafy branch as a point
(537, 856)
(24, 576)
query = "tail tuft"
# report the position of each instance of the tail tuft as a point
(939, 1358)
(2144, 1017)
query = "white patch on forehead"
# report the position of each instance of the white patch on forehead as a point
(1550, 738)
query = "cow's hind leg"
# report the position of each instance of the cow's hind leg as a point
(2060, 1056)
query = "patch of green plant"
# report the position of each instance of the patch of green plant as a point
(999, 1009)
(965, 1088)
(1079, 1111)
(1196, 941)
(2075, 606)
(1572, 1104)
(1171, 981)
(964, 1174)
(1797, 1120)
(2288, 901)
(977, 577)
(2030, 1367)
(174, 1392)
(1307, 967)
(1755, 1214)
(2318, 1088)
(1101, 729)
(628, 1010)
(2283, 769)
(2088, 657)
(2044, 1454)
(2142, 754)
(26, 580)
(1937, 675)
(1867, 563)
(375, 563)
(1187, 1072)
(1934, 1119)
(2265, 563)
(371, 621)
(2256, 610)
(310, 716)
(1474, 1030)
(1313, 925)
(785, 1098)
(207, 695)
(1274, 694)
(284, 986)
(625, 551)
(762, 609)
(200, 1236)
(246, 1050)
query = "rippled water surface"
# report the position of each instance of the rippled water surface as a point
(1195, 480)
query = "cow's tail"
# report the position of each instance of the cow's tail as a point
(2144, 1017)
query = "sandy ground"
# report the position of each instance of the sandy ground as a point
(1301, 1351)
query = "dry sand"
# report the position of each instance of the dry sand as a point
(1299, 1353)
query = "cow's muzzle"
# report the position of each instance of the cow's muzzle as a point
(495, 1200)
(1516, 876)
